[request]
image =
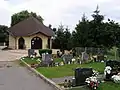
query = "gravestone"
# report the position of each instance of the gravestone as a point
(67, 58)
(81, 74)
(85, 56)
(46, 59)
(31, 52)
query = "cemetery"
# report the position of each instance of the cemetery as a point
(96, 72)
(92, 60)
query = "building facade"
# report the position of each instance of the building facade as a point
(30, 34)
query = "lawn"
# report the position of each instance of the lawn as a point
(109, 86)
(66, 70)
(103, 86)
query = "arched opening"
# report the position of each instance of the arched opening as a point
(36, 43)
(21, 43)
(49, 43)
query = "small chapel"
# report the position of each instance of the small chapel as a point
(30, 34)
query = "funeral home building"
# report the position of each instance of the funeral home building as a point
(30, 34)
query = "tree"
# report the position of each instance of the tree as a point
(67, 39)
(62, 38)
(17, 17)
(96, 33)
(81, 33)
(4, 35)
(97, 28)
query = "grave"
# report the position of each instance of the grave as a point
(115, 69)
(67, 58)
(31, 52)
(81, 74)
(85, 57)
(46, 59)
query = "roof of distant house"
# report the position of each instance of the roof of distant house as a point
(30, 26)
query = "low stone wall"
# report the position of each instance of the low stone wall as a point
(54, 85)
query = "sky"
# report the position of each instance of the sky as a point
(56, 12)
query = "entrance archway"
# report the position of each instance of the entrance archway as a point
(21, 43)
(36, 43)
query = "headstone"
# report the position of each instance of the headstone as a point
(31, 52)
(85, 56)
(67, 58)
(46, 59)
(81, 74)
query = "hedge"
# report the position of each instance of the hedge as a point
(41, 51)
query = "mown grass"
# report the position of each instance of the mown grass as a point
(109, 86)
(102, 86)
(66, 70)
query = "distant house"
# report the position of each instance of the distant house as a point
(30, 34)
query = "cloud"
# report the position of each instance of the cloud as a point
(54, 12)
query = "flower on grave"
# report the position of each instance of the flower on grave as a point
(116, 78)
(61, 63)
(102, 61)
(95, 73)
(107, 70)
(73, 59)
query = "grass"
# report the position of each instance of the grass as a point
(111, 54)
(102, 86)
(58, 60)
(30, 61)
(109, 86)
(66, 70)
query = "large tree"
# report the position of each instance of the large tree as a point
(96, 32)
(80, 36)
(97, 29)
(62, 38)
(17, 17)
(3, 33)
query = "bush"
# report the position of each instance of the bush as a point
(41, 51)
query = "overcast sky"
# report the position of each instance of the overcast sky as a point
(67, 12)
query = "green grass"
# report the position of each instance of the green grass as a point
(67, 70)
(58, 60)
(30, 61)
(109, 86)
(102, 86)
(111, 54)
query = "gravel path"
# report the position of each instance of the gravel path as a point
(62, 79)
(11, 55)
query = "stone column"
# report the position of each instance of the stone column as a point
(50, 43)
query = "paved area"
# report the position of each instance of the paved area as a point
(15, 77)
(12, 55)
(62, 79)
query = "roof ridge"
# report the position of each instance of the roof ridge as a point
(32, 25)
(37, 21)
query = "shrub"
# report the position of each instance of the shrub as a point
(41, 51)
